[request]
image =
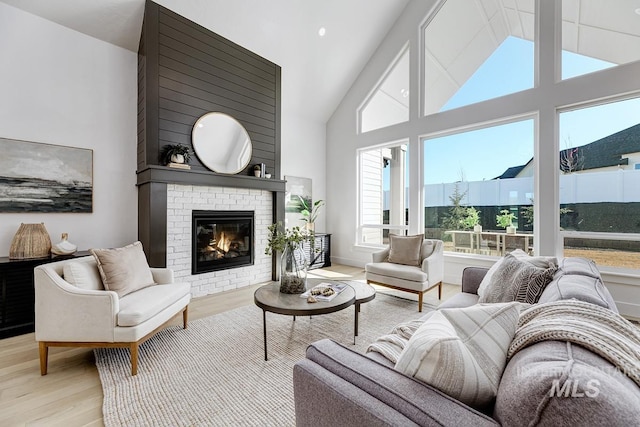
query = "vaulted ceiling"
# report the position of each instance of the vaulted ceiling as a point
(317, 71)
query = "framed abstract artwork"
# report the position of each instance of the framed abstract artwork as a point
(37, 177)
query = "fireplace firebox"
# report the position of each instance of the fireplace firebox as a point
(221, 240)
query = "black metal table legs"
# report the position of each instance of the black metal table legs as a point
(264, 330)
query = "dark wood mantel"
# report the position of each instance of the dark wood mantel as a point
(167, 175)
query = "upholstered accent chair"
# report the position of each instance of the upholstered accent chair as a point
(84, 314)
(417, 279)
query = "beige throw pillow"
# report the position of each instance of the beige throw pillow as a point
(405, 249)
(516, 280)
(84, 275)
(462, 351)
(487, 277)
(123, 270)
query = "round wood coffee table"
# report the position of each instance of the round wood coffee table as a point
(269, 298)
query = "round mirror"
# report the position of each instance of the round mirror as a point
(221, 143)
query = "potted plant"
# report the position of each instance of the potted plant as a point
(310, 213)
(472, 220)
(176, 153)
(257, 170)
(293, 265)
(505, 220)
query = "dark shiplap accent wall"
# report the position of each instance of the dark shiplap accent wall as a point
(185, 71)
(190, 71)
(142, 100)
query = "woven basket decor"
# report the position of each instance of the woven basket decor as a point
(31, 241)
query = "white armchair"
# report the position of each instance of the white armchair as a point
(83, 314)
(417, 280)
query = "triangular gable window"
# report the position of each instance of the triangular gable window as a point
(475, 51)
(388, 104)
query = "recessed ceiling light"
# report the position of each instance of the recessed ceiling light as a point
(637, 11)
(322, 31)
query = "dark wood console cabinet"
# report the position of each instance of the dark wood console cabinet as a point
(17, 297)
(318, 253)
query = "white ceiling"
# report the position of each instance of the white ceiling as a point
(316, 71)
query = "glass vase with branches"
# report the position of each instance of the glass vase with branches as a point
(293, 262)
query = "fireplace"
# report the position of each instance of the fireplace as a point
(221, 240)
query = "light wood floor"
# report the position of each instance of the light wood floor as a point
(71, 394)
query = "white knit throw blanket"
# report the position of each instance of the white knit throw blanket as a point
(596, 328)
(392, 344)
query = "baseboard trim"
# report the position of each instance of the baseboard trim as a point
(629, 310)
(347, 261)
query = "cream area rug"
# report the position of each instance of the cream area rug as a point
(214, 372)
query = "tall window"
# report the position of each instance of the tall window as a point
(597, 35)
(478, 163)
(388, 104)
(481, 178)
(599, 191)
(383, 196)
(474, 51)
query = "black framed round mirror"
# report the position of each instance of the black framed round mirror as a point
(221, 143)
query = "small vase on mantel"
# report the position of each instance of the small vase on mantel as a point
(293, 270)
(177, 158)
(64, 247)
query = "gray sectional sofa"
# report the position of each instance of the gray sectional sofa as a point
(364, 390)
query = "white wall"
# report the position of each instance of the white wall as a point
(61, 87)
(343, 140)
(540, 103)
(304, 155)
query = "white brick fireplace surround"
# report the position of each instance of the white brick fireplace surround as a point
(182, 200)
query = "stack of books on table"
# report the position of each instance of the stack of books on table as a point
(325, 291)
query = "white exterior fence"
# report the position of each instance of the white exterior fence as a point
(622, 186)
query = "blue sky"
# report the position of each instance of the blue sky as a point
(487, 153)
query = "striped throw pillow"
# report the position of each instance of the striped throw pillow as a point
(517, 280)
(462, 351)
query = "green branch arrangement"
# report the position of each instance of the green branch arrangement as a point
(280, 237)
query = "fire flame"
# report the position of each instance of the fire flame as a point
(224, 243)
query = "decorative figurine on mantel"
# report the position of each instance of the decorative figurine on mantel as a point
(64, 247)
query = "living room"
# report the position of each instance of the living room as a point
(65, 88)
